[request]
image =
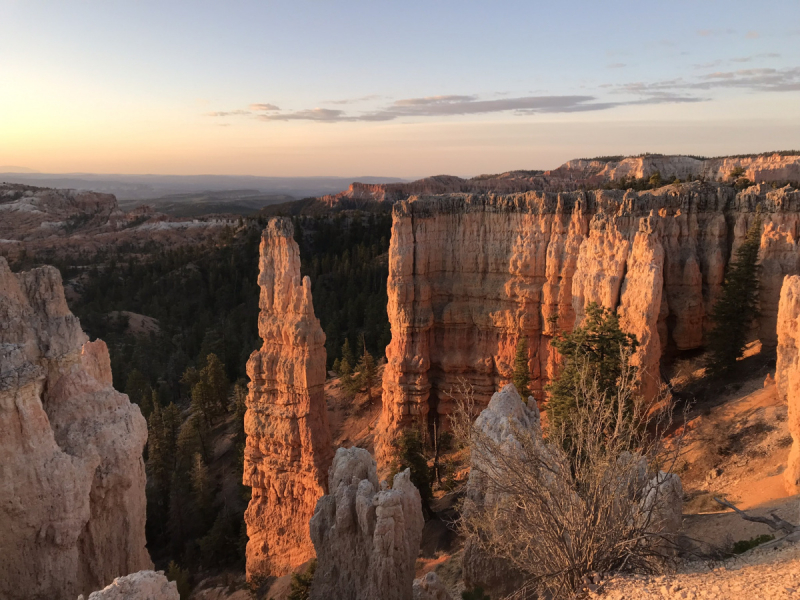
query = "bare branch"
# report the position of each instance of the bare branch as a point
(775, 523)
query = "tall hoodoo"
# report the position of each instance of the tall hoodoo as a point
(787, 371)
(72, 479)
(289, 448)
(470, 274)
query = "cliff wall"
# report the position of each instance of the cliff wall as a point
(470, 274)
(787, 372)
(72, 479)
(288, 449)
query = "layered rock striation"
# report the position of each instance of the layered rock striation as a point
(72, 479)
(787, 372)
(471, 274)
(288, 449)
(367, 536)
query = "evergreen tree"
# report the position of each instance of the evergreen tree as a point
(136, 387)
(598, 345)
(214, 373)
(300, 586)
(201, 488)
(347, 353)
(737, 306)
(410, 454)
(367, 370)
(521, 377)
(346, 369)
(203, 400)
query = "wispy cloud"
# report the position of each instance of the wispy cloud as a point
(762, 80)
(715, 32)
(616, 65)
(452, 105)
(353, 100)
(263, 107)
(227, 113)
(752, 35)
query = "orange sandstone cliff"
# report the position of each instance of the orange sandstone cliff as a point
(787, 372)
(289, 449)
(469, 274)
(72, 478)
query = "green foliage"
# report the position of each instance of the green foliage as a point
(737, 306)
(136, 387)
(205, 298)
(210, 392)
(475, 593)
(345, 256)
(598, 345)
(521, 377)
(737, 172)
(743, 546)
(181, 578)
(301, 582)
(655, 179)
(367, 369)
(410, 453)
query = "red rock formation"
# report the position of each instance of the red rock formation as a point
(470, 274)
(72, 479)
(289, 448)
(787, 372)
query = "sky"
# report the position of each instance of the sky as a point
(389, 88)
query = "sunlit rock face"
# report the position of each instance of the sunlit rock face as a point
(289, 448)
(72, 479)
(471, 274)
(787, 372)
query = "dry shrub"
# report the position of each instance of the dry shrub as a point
(558, 508)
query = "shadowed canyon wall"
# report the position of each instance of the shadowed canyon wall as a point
(288, 449)
(470, 274)
(72, 479)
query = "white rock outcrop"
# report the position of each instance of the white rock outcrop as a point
(662, 499)
(72, 479)
(429, 587)
(366, 535)
(500, 421)
(144, 585)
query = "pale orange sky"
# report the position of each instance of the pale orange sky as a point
(265, 89)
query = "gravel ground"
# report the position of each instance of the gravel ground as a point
(761, 574)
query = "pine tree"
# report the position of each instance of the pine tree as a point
(737, 306)
(137, 387)
(367, 370)
(521, 377)
(214, 373)
(347, 353)
(201, 488)
(203, 400)
(346, 368)
(410, 454)
(597, 344)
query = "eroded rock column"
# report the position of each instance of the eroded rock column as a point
(367, 536)
(289, 448)
(72, 479)
(787, 371)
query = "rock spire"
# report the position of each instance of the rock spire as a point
(72, 479)
(787, 371)
(288, 449)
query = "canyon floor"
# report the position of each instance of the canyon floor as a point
(735, 445)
